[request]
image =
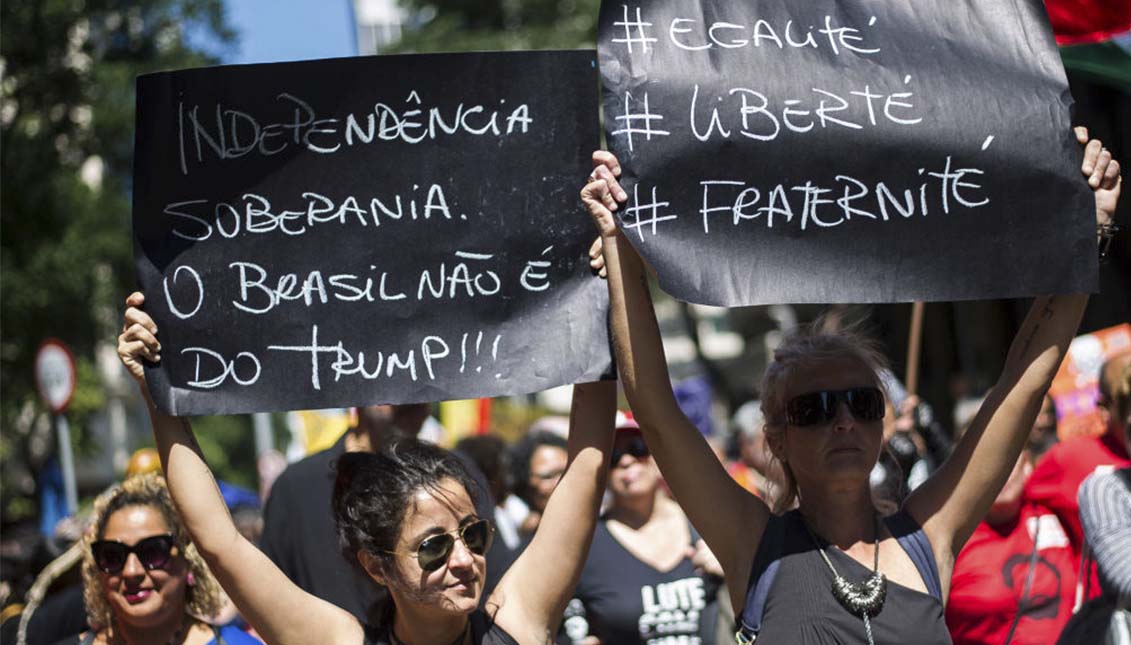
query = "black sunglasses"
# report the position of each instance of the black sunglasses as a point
(434, 551)
(153, 552)
(637, 448)
(811, 408)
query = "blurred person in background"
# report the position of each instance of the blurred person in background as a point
(643, 583)
(143, 461)
(1105, 515)
(143, 580)
(1015, 580)
(490, 453)
(1056, 480)
(1043, 436)
(754, 466)
(537, 462)
(914, 446)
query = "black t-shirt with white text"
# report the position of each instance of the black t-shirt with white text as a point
(626, 601)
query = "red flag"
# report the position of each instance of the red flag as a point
(1077, 22)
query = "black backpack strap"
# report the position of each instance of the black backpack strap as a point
(762, 575)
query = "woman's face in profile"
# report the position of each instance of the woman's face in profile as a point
(139, 596)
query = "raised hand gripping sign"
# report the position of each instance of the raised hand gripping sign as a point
(368, 230)
(845, 150)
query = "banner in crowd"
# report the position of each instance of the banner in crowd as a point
(1075, 390)
(846, 151)
(368, 230)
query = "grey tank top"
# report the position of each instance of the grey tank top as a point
(797, 606)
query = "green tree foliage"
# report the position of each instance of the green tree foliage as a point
(66, 122)
(471, 25)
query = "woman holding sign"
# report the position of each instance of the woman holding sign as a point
(406, 516)
(824, 405)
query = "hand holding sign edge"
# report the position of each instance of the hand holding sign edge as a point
(138, 339)
(1103, 173)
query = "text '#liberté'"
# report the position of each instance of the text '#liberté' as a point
(220, 132)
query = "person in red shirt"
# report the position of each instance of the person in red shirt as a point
(1015, 580)
(1057, 477)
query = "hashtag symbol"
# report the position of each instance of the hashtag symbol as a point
(646, 214)
(641, 36)
(630, 121)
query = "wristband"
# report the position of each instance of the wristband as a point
(1106, 233)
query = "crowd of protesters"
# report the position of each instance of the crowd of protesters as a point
(843, 513)
(648, 575)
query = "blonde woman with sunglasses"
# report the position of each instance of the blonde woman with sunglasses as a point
(832, 570)
(144, 583)
(406, 516)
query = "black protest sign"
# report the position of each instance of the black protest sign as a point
(368, 230)
(846, 150)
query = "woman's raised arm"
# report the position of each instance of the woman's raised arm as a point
(728, 517)
(952, 502)
(533, 594)
(279, 610)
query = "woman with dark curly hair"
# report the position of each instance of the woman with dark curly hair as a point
(143, 580)
(405, 516)
(537, 463)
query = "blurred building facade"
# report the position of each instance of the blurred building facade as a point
(378, 24)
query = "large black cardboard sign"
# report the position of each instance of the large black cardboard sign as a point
(846, 150)
(365, 230)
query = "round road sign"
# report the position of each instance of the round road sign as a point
(55, 374)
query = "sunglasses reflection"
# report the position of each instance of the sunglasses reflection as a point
(435, 550)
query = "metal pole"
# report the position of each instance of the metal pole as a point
(67, 463)
(914, 344)
(264, 439)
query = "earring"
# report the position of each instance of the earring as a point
(190, 579)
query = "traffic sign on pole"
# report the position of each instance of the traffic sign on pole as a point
(55, 374)
(55, 379)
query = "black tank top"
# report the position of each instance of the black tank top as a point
(483, 632)
(799, 605)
